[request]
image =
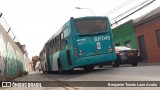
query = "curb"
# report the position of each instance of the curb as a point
(148, 63)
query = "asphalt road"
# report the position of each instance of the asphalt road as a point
(107, 73)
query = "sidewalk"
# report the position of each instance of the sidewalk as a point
(148, 63)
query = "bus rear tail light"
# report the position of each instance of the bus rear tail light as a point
(75, 49)
(75, 52)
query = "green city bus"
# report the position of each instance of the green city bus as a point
(80, 43)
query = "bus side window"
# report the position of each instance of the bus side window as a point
(55, 42)
(62, 43)
(47, 50)
(66, 32)
(53, 48)
(58, 43)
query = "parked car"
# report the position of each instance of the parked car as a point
(126, 55)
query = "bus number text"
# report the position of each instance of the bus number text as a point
(101, 38)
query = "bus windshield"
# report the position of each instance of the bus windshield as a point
(90, 26)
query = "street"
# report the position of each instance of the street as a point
(107, 73)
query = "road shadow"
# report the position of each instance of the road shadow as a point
(76, 73)
(82, 71)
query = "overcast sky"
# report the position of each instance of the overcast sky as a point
(35, 21)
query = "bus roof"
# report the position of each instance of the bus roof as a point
(79, 18)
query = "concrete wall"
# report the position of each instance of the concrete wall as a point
(11, 58)
(148, 29)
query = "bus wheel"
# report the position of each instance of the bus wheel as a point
(115, 63)
(100, 66)
(46, 69)
(135, 64)
(60, 67)
(89, 68)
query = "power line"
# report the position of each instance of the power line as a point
(134, 12)
(118, 7)
(131, 9)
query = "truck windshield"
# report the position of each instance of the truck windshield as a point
(90, 26)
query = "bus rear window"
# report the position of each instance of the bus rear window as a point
(90, 26)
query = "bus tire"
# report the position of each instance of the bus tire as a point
(60, 67)
(100, 66)
(135, 64)
(115, 63)
(89, 68)
(46, 70)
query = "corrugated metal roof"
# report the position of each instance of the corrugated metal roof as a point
(148, 16)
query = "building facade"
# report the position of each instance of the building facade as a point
(147, 29)
(124, 35)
